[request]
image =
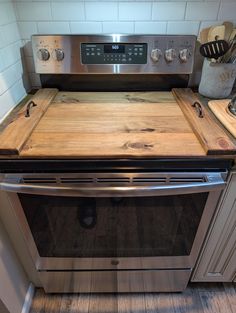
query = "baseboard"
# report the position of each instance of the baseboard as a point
(28, 299)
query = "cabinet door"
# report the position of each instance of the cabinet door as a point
(217, 260)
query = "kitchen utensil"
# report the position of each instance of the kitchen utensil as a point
(231, 52)
(229, 26)
(221, 111)
(216, 33)
(233, 34)
(217, 79)
(204, 35)
(214, 49)
(232, 105)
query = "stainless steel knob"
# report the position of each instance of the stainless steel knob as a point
(155, 55)
(170, 54)
(58, 54)
(43, 54)
(184, 54)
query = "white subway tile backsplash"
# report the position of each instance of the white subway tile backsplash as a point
(135, 11)
(168, 11)
(183, 28)
(10, 33)
(150, 27)
(101, 11)
(86, 27)
(68, 11)
(227, 11)
(11, 97)
(27, 29)
(7, 14)
(10, 54)
(10, 76)
(33, 11)
(118, 27)
(53, 28)
(202, 11)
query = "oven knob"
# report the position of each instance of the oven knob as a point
(155, 55)
(184, 54)
(170, 54)
(58, 54)
(43, 54)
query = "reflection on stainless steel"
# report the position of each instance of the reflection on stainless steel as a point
(116, 281)
(168, 271)
(103, 185)
(132, 54)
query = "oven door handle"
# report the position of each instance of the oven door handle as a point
(213, 182)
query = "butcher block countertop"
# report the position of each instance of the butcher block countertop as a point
(110, 125)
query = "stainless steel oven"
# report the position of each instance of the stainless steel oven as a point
(129, 229)
(114, 225)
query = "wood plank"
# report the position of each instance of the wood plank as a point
(19, 129)
(108, 129)
(115, 125)
(124, 97)
(210, 299)
(112, 109)
(221, 111)
(213, 138)
(78, 303)
(230, 290)
(111, 145)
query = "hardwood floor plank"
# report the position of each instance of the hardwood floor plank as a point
(131, 303)
(187, 301)
(230, 290)
(159, 303)
(102, 303)
(38, 303)
(197, 298)
(72, 303)
(215, 302)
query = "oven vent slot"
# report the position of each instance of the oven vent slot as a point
(117, 180)
(187, 180)
(149, 179)
(76, 180)
(39, 180)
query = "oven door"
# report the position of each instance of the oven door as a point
(145, 221)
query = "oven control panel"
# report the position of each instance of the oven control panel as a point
(113, 54)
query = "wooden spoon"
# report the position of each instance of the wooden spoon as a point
(229, 27)
(216, 33)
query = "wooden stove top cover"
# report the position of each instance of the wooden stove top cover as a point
(101, 125)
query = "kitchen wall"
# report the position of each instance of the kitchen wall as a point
(140, 16)
(150, 17)
(11, 83)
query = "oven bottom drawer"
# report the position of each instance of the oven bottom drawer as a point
(115, 281)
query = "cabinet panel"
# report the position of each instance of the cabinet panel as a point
(217, 261)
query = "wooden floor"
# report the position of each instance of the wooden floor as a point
(206, 298)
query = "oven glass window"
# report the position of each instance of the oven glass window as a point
(113, 227)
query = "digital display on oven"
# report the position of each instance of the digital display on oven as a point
(114, 48)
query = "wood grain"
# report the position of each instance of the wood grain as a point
(101, 128)
(111, 145)
(19, 129)
(213, 138)
(221, 111)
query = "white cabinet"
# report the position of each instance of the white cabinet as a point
(217, 261)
